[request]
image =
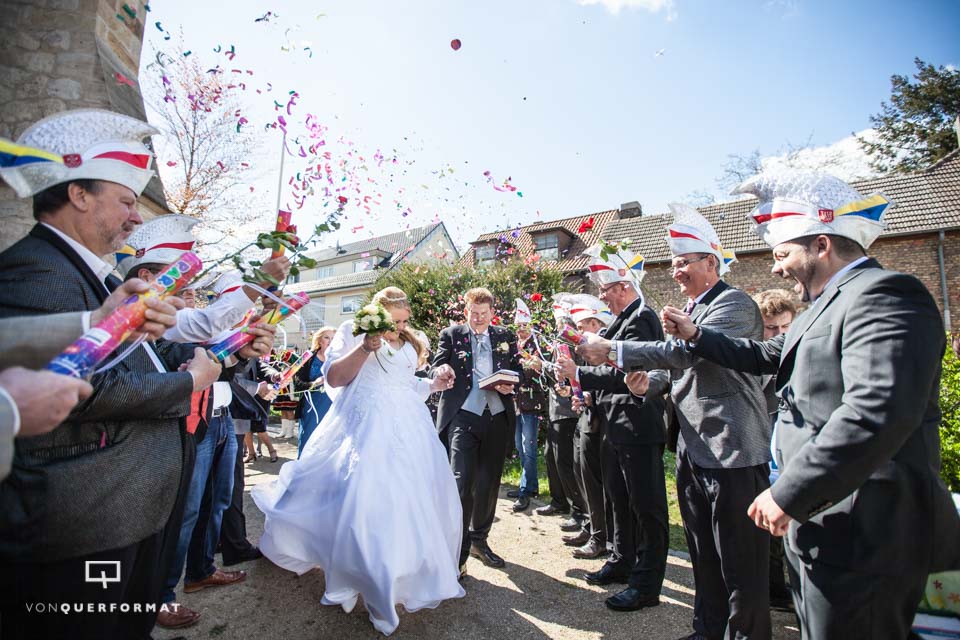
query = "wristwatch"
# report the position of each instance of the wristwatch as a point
(612, 354)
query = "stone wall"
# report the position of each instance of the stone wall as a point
(64, 54)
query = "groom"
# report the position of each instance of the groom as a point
(479, 424)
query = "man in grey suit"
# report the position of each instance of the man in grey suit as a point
(724, 446)
(859, 497)
(35, 402)
(101, 489)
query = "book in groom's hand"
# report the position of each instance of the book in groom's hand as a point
(503, 376)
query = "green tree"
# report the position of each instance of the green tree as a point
(916, 128)
(436, 290)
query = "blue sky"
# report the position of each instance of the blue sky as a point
(567, 99)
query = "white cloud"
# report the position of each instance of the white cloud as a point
(844, 158)
(653, 6)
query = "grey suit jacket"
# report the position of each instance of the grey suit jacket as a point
(722, 414)
(858, 444)
(6, 434)
(33, 341)
(108, 476)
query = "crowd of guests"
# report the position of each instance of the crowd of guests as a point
(805, 445)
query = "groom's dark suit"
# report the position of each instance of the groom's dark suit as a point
(477, 443)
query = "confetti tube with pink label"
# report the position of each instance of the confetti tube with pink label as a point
(574, 384)
(572, 336)
(240, 338)
(93, 347)
(283, 224)
(287, 376)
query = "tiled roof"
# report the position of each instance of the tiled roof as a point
(397, 244)
(571, 261)
(926, 201)
(343, 281)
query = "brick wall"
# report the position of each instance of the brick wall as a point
(916, 255)
(53, 59)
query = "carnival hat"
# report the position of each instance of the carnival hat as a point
(160, 241)
(88, 144)
(522, 314)
(622, 265)
(583, 306)
(692, 233)
(795, 203)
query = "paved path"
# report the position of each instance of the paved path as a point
(539, 595)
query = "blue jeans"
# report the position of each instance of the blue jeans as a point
(526, 441)
(216, 457)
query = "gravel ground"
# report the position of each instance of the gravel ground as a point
(540, 593)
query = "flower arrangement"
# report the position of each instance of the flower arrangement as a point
(504, 347)
(372, 318)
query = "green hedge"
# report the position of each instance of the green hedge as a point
(950, 421)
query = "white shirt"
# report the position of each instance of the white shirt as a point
(101, 270)
(200, 325)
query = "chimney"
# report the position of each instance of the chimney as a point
(630, 210)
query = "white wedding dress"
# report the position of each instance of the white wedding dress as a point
(372, 500)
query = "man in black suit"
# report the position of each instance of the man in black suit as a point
(633, 475)
(102, 488)
(480, 423)
(859, 498)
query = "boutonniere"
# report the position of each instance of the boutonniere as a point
(503, 347)
(462, 354)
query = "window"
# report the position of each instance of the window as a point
(324, 272)
(292, 279)
(350, 304)
(362, 265)
(313, 315)
(485, 253)
(548, 246)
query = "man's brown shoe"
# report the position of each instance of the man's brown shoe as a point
(218, 578)
(177, 616)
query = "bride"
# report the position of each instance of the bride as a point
(372, 500)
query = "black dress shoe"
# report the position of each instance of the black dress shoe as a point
(631, 599)
(571, 524)
(486, 555)
(253, 553)
(513, 493)
(521, 504)
(694, 636)
(608, 574)
(550, 510)
(576, 540)
(590, 550)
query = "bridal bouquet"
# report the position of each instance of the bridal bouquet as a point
(372, 318)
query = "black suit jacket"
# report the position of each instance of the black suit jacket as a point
(629, 422)
(858, 377)
(108, 476)
(455, 349)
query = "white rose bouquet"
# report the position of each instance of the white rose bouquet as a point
(373, 318)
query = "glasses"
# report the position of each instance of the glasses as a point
(609, 287)
(683, 264)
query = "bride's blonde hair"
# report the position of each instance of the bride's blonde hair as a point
(395, 298)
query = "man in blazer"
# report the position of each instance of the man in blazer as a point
(632, 461)
(859, 496)
(724, 446)
(102, 488)
(35, 402)
(480, 424)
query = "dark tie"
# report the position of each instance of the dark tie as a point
(691, 303)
